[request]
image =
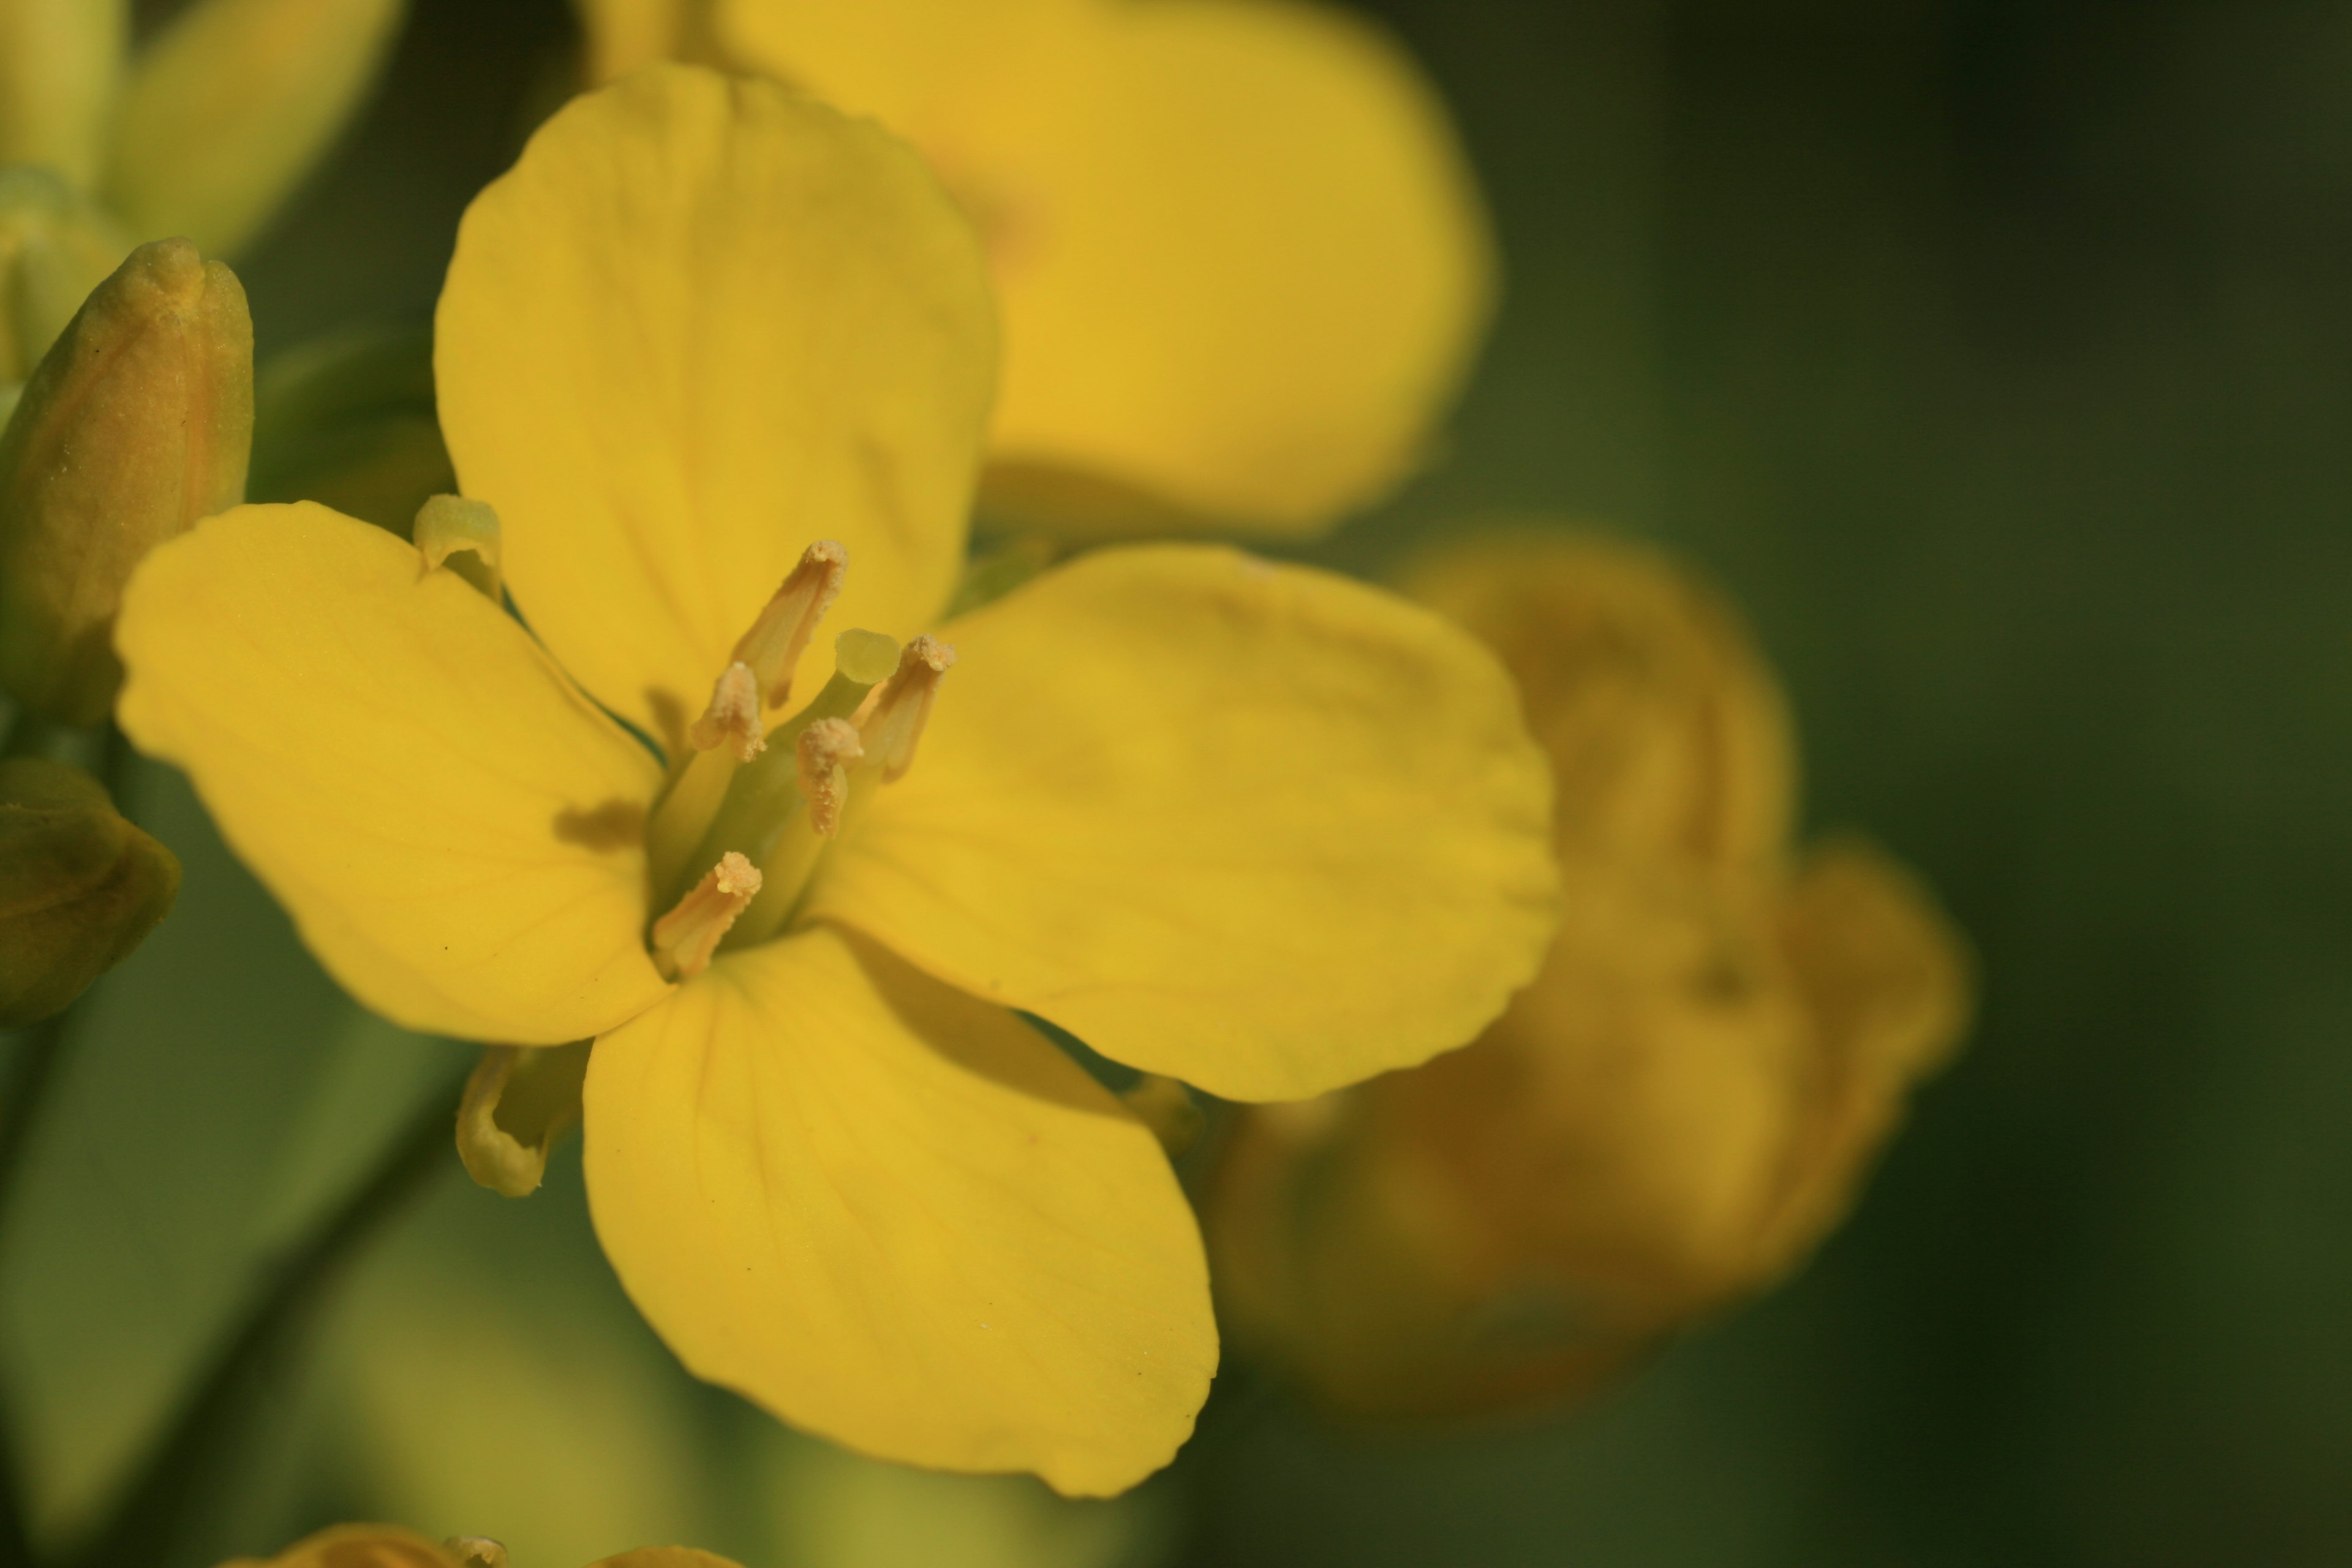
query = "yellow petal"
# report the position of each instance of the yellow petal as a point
(1257, 828)
(355, 1546)
(898, 1218)
(700, 326)
(456, 830)
(1891, 983)
(1242, 259)
(922, 67)
(623, 35)
(1668, 734)
(666, 1557)
(232, 105)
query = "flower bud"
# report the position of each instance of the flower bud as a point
(58, 64)
(79, 886)
(55, 247)
(227, 110)
(136, 423)
(1682, 1104)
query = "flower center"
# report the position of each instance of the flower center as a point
(746, 819)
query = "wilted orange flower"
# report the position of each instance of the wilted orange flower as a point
(1683, 1103)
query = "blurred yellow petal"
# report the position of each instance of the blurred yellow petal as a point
(355, 1546)
(928, 69)
(897, 1217)
(1890, 984)
(1253, 827)
(60, 61)
(456, 829)
(1667, 734)
(666, 1557)
(230, 107)
(1242, 259)
(701, 324)
(624, 34)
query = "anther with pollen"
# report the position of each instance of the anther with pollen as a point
(826, 749)
(894, 720)
(732, 720)
(684, 939)
(773, 646)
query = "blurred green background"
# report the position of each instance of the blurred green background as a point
(1998, 356)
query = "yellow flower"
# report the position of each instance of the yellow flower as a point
(1683, 1103)
(208, 128)
(1242, 260)
(1253, 826)
(390, 1546)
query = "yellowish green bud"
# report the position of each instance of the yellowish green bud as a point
(464, 536)
(517, 1102)
(136, 423)
(475, 1551)
(233, 105)
(55, 247)
(60, 61)
(79, 886)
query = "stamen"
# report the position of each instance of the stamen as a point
(773, 646)
(453, 525)
(684, 939)
(894, 722)
(734, 716)
(826, 749)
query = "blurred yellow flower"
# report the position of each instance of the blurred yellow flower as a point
(390, 1546)
(206, 129)
(1253, 826)
(1242, 260)
(1685, 1102)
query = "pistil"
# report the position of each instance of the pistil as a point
(761, 809)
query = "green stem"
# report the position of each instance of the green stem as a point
(196, 1451)
(31, 1071)
(15, 1530)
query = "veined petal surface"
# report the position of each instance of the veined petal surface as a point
(1242, 256)
(456, 829)
(1254, 826)
(702, 323)
(898, 1216)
